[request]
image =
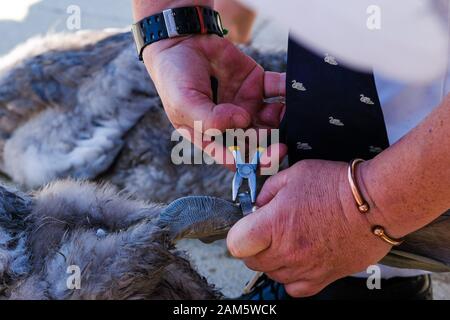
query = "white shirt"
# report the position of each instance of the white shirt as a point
(404, 107)
(406, 40)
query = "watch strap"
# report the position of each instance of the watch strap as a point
(174, 23)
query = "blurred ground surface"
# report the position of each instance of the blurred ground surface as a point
(22, 19)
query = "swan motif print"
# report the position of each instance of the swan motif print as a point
(366, 100)
(303, 146)
(330, 60)
(336, 122)
(298, 85)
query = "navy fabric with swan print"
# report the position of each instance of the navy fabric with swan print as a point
(333, 112)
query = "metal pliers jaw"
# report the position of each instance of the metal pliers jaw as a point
(245, 171)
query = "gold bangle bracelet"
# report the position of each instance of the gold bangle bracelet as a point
(362, 204)
(364, 207)
(379, 232)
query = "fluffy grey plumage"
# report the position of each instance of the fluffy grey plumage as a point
(42, 235)
(14, 258)
(83, 106)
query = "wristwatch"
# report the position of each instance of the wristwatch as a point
(174, 23)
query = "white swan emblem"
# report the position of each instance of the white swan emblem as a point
(298, 85)
(303, 146)
(330, 60)
(336, 122)
(366, 100)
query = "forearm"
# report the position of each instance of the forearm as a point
(145, 8)
(409, 183)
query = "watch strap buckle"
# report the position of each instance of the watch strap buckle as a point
(171, 25)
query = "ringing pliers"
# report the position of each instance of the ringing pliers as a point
(245, 171)
(247, 198)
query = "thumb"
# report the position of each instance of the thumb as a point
(251, 235)
(271, 188)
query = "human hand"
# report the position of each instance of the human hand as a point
(308, 232)
(182, 69)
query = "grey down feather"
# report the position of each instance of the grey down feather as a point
(123, 247)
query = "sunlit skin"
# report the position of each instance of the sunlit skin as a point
(308, 231)
(237, 19)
